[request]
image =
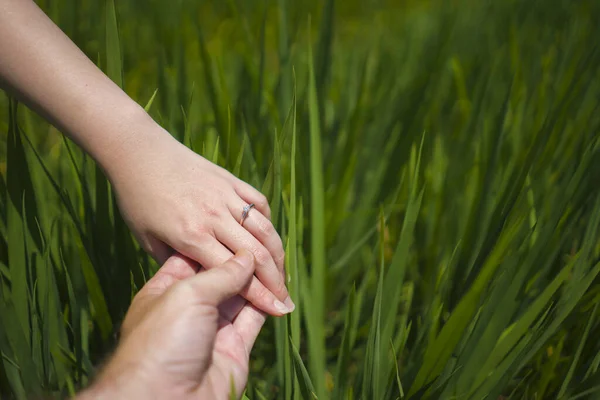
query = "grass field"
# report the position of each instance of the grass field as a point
(433, 168)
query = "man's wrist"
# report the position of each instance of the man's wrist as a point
(118, 380)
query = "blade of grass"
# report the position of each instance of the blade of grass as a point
(567, 379)
(394, 279)
(400, 388)
(438, 352)
(586, 393)
(19, 184)
(340, 380)
(306, 387)
(295, 228)
(97, 298)
(148, 105)
(285, 89)
(373, 360)
(513, 334)
(215, 155)
(318, 273)
(238, 163)
(291, 328)
(576, 290)
(11, 368)
(20, 198)
(284, 361)
(211, 87)
(113, 46)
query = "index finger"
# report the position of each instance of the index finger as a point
(222, 283)
(248, 324)
(175, 269)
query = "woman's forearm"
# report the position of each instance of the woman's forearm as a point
(42, 67)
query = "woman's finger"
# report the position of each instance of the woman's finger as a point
(252, 196)
(158, 250)
(262, 229)
(236, 238)
(210, 253)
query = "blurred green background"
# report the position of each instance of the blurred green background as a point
(432, 166)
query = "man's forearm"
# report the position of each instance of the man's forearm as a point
(42, 67)
(121, 378)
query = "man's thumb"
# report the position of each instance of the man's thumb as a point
(225, 281)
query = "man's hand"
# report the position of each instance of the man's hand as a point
(186, 335)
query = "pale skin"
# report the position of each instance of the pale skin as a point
(171, 198)
(187, 335)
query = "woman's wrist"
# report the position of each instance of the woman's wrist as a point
(118, 141)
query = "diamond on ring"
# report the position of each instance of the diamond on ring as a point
(245, 212)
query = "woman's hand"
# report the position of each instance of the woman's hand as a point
(175, 199)
(170, 197)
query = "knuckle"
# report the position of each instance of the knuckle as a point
(194, 234)
(266, 228)
(262, 201)
(211, 210)
(280, 257)
(263, 257)
(257, 317)
(189, 229)
(280, 286)
(262, 295)
(183, 291)
(231, 271)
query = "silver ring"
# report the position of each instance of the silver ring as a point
(247, 209)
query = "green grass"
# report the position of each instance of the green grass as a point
(432, 169)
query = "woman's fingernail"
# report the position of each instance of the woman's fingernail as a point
(289, 304)
(244, 257)
(282, 308)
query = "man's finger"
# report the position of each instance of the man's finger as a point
(222, 283)
(248, 324)
(229, 309)
(175, 269)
